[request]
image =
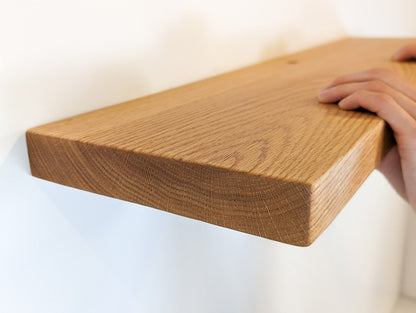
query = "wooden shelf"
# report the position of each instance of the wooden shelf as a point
(252, 150)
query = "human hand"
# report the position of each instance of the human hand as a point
(393, 99)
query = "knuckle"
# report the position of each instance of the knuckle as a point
(380, 103)
(359, 93)
(376, 85)
(384, 99)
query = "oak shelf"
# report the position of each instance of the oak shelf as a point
(252, 150)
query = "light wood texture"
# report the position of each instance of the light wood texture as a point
(252, 150)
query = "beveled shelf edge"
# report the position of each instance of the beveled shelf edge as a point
(43, 166)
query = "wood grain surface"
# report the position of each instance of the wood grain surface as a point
(252, 150)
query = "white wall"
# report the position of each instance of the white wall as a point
(378, 18)
(65, 250)
(409, 266)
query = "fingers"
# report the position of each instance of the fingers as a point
(391, 168)
(394, 100)
(339, 92)
(384, 75)
(405, 53)
(384, 106)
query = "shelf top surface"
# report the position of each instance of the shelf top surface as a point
(264, 119)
